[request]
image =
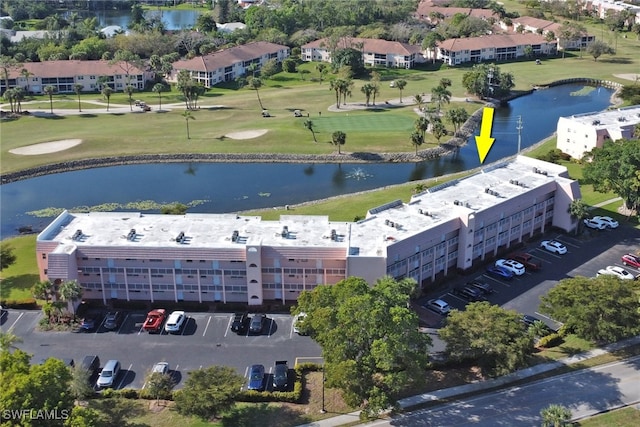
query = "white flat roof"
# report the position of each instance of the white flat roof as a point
(627, 116)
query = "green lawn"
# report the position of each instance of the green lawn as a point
(625, 417)
(380, 122)
(21, 276)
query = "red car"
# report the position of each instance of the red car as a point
(155, 319)
(632, 260)
(527, 260)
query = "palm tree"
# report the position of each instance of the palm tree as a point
(367, 89)
(445, 82)
(26, 74)
(309, 125)
(106, 92)
(335, 86)
(440, 94)
(255, 83)
(322, 69)
(128, 89)
(438, 129)
(338, 138)
(70, 291)
(158, 88)
(8, 340)
(401, 84)
(417, 140)
(418, 99)
(188, 116)
(422, 125)
(375, 81)
(555, 416)
(77, 88)
(578, 210)
(42, 290)
(50, 90)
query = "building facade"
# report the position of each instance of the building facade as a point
(228, 64)
(375, 52)
(232, 258)
(581, 133)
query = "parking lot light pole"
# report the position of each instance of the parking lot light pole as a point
(323, 410)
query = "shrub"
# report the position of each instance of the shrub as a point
(127, 393)
(25, 303)
(108, 393)
(551, 340)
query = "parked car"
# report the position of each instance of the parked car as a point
(499, 272)
(281, 376)
(160, 368)
(554, 247)
(298, 324)
(88, 324)
(108, 375)
(631, 260)
(485, 288)
(529, 321)
(154, 320)
(439, 306)
(112, 320)
(91, 364)
(257, 323)
(529, 262)
(256, 378)
(594, 223)
(607, 220)
(614, 270)
(469, 293)
(175, 321)
(240, 322)
(512, 265)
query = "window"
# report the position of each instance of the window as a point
(44, 256)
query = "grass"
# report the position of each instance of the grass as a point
(17, 279)
(570, 346)
(625, 417)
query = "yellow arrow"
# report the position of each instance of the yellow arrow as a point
(484, 140)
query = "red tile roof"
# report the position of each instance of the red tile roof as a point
(370, 46)
(71, 68)
(492, 41)
(228, 57)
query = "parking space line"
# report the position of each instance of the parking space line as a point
(270, 327)
(228, 326)
(564, 241)
(186, 322)
(496, 280)
(124, 377)
(456, 297)
(122, 324)
(206, 327)
(550, 254)
(16, 321)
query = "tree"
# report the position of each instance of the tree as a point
(208, 392)
(106, 92)
(493, 337)
(372, 359)
(7, 257)
(26, 74)
(322, 70)
(348, 57)
(440, 94)
(568, 33)
(159, 88)
(7, 64)
(338, 138)
(50, 90)
(255, 83)
(375, 80)
(188, 116)
(430, 43)
(579, 211)
(438, 129)
(422, 125)
(367, 89)
(42, 290)
(77, 88)
(86, 417)
(555, 416)
(401, 84)
(614, 167)
(309, 125)
(417, 139)
(486, 80)
(597, 48)
(80, 384)
(127, 61)
(71, 291)
(336, 85)
(129, 89)
(577, 301)
(270, 68)
(8, 341)
(159, 385)
(457, 117)
(206, 23)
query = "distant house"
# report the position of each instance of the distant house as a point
(602, 7)
(581, 133)
(63, 75)
(427, 11)
(544, 27)
(375, 52)
(230, 27)
(497, 47)
(228, 64)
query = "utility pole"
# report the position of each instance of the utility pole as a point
(519, 127)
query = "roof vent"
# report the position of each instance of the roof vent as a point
(285, 232)
(235, 236)
(420, 211)
(77, 235)
(622, 119)
(181, 237)
(132, 235)
(334, 235)
(595, 122)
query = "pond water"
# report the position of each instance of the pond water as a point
(172, 19)
(231, 187)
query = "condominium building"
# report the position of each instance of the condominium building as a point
(581, 133)
(235, 258)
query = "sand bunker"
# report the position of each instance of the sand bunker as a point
(247, 134)
(46, 147)
(633, 77)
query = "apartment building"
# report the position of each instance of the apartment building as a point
(581, 133)
(233, 258)
(544, 27)
(228, 64)
(375, 52)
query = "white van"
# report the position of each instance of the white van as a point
(108, 374)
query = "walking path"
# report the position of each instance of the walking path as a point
(449, 393)
(606, 202)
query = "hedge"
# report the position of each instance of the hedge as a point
(551, 340)
(25, 303)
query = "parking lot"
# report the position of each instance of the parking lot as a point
(206, 339)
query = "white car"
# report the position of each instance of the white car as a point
(607, 220)
(512, 265)
(614, 270)
(554, 246)
(298, 320)
(175, 321)
(438, 306)
(595, 223)
(160, 368)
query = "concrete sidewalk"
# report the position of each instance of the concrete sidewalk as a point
(448, 393)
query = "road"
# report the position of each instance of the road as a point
(586, 392)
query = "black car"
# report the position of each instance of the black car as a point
(112, 320)
(485, 288)
(257, 323)
(529, 321)
(469, 293)
(240, 323)
(280, 376)
(92, 365)
(88, 324)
